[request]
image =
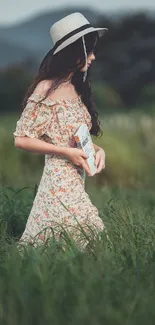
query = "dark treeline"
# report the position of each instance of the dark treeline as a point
(127, 57)
(125, 64)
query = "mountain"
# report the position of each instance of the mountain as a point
(32, 37)
(11, 53)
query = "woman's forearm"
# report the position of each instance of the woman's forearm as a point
(39, 146)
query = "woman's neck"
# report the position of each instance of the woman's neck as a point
(68, 81)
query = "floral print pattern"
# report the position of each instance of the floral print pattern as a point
(61, 201)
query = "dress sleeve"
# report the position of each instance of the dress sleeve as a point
(35, 118)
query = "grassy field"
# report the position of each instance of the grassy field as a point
(113, 281)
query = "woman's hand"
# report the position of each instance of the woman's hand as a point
(100, 160)
(79, 158)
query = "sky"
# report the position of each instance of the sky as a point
(14, 11)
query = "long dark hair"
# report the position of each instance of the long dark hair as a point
(59, 66)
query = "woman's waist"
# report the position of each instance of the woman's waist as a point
(56, 158)
(59, 164)
(52, 161)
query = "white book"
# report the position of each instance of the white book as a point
(84, 141)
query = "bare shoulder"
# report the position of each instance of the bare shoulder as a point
(61, 92)
(42, 87)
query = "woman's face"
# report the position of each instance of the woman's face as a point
(91, 58)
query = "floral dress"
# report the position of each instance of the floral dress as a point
(61, 202)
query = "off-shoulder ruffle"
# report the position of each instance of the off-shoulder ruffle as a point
(50, 102)
(68, 103)
(35, 118)
(42, 115)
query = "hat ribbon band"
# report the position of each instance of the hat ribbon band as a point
(74, 32)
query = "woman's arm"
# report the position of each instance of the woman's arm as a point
(42, 147)
(99, 158)
(96, 147)
(38, 146)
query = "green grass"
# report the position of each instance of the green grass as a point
(113, 283)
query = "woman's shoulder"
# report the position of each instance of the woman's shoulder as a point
(42, 87)
(62, 92)
(39, 94)
(45, 85)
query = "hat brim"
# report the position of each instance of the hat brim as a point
(72, 39)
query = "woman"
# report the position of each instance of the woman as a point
(56, 104)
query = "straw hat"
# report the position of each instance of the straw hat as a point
(68, 29)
